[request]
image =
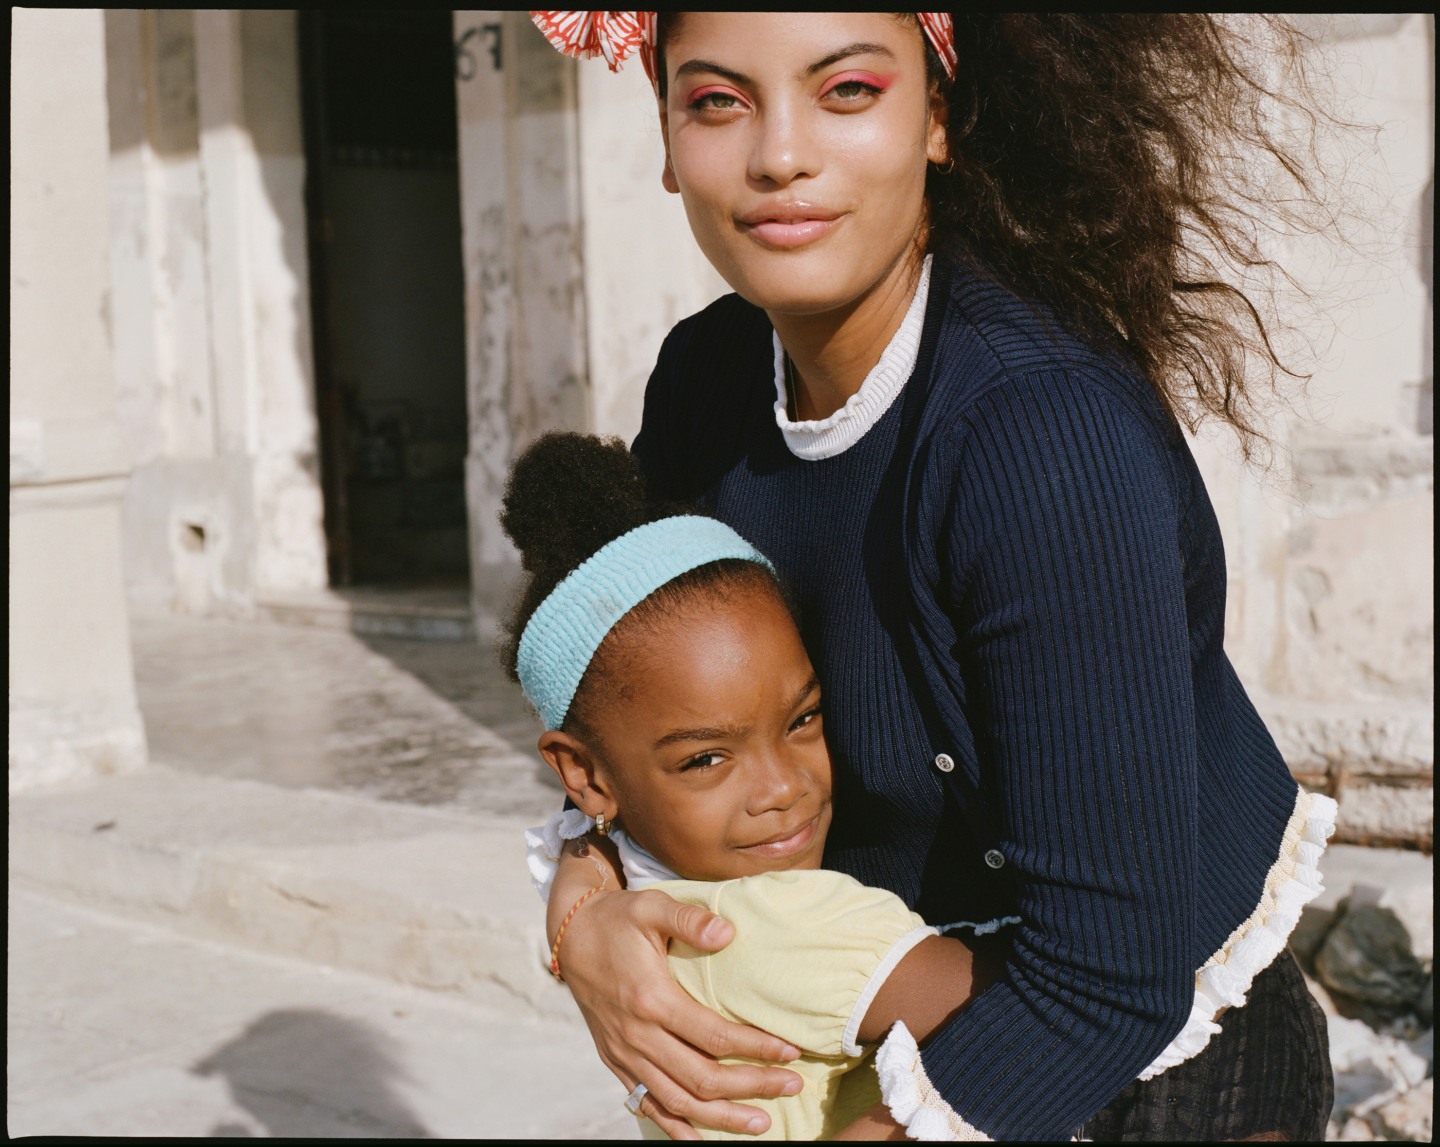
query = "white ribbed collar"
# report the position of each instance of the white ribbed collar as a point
(834, 435)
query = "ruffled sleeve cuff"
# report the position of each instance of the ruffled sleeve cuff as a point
(1292, 882)
(911, 1097)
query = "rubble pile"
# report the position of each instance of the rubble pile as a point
(1369, 961)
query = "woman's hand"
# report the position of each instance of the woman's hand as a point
(648, 1030)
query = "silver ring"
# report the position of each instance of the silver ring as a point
(635, 1099)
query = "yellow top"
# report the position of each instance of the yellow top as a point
(810, 951)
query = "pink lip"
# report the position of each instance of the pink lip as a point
(787, 845)
(789, 224)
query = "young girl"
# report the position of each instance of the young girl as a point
(679, 702)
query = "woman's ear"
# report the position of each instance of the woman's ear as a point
(937, 145)
(667, 176)
(576, 766)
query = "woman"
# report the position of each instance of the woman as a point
(971, 313)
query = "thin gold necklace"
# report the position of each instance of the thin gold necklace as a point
(790, 404)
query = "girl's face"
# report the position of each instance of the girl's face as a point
(799, 143)
(711, 752)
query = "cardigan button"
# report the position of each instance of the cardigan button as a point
(994, 858)
(945, 763)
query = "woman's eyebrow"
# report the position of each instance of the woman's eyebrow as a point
(858, 49)
(694, 67)
(862, 48)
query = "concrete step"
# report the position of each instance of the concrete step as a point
(434, 615)
(118, 1028)
(422, 897)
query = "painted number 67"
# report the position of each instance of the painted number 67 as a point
(464, 58)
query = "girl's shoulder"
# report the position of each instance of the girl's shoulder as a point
(795, 898)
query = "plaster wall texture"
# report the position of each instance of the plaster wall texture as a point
(71, 682)
(577, 262)
(521, 213)
(643, 269)
(489, 279)
(1330, 552)
(212, 340)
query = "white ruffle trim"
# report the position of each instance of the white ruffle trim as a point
(1222, 982)
(1292, 882)
(912, 1098)
(544, 842)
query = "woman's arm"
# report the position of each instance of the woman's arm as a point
(928, 988)
(646, 1028)
(1063, 579)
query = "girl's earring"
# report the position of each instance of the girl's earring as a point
(945, 168)
(602, 826)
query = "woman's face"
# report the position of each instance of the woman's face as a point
(713, 751)
(799, 143)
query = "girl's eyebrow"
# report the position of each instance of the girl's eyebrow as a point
(708, 733)
(729, 732)
(810, 687)
(862, 48)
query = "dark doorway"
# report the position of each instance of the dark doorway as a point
(387, 287)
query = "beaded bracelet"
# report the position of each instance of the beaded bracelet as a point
(574, 908)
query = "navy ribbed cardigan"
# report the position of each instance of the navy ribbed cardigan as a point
(1016, 570)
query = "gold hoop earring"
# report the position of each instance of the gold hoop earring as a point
(945, 168)
(602, 826)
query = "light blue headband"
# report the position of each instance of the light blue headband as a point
(567, 628)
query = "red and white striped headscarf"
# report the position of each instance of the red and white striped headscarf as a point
(615, 35)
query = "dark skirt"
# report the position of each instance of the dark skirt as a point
(1265, 1077)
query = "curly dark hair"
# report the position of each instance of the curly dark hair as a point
(1120, 168)
(568, 495)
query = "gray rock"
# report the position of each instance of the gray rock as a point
(1413, 902)
(1425, 1005)
(1355, 1131)
(1424, 1047)
(1368, 1065)
(1409, 1116)
(1315, 924)
(1368, 955)
(1322, 996)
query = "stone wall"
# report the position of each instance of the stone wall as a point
(212, 328)
(643, 269)
(1330, 552)
(72, 690)
(524, 304)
